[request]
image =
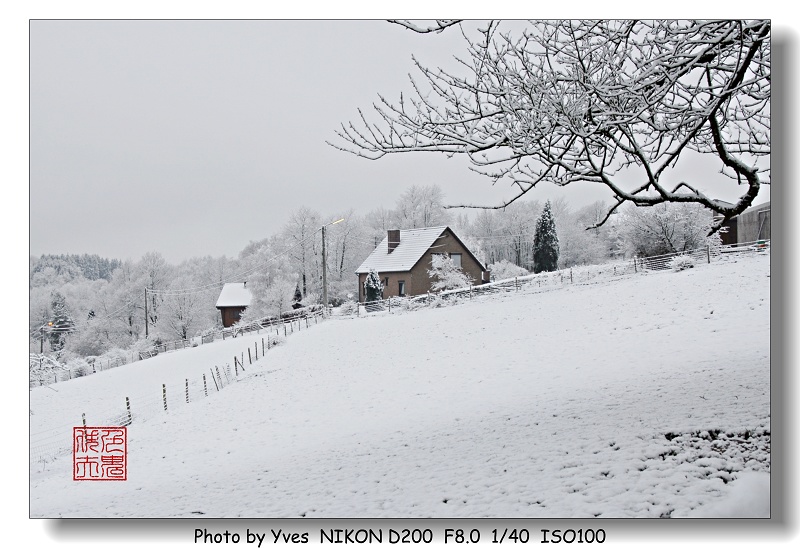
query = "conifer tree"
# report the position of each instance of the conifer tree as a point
(298, 296)
(545, 243)
(373, 287)
(61, 323)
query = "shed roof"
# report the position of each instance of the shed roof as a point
(414, 243)
(234, 294)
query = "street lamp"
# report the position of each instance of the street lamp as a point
(325, 266)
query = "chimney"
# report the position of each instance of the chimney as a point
(394, 239)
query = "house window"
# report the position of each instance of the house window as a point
(401, 288)
(456, 258)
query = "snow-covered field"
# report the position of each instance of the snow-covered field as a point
(645, 396)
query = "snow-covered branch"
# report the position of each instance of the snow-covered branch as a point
(608, 102)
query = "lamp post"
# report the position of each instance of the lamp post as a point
(325, 267)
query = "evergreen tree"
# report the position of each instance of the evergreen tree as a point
(298, 296)
(61, 323)
(373, 287)
(545, 243)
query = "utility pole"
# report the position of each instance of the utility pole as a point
(145, 314)
(324, 273)
(325, 267)
(41, 340)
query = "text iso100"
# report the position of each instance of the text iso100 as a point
(554, 536)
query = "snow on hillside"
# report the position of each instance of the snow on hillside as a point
(646, 396)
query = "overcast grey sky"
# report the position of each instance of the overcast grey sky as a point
(192, 138)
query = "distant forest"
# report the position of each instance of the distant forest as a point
(91, 267)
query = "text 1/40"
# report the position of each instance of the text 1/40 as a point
(555, 536)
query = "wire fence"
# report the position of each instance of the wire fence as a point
(45, 370)
(56, 440)
(580, 275)
(46, 445)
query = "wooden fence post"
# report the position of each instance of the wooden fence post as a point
(83, 417)
(708, 253)
(570, 275)
(213, 379)
(219, 377)
(249, 357)
(164, 392)
(128, 407)
(205, 386)
(187, 390)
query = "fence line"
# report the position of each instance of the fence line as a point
(44, 370)
(580, 275)
(48, 444)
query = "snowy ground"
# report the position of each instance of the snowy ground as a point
(646, 396)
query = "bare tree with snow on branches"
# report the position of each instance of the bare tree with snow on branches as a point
(618, 103)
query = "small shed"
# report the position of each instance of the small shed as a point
(753, 224)
(232, 301)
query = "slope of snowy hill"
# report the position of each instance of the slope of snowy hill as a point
(643, 396)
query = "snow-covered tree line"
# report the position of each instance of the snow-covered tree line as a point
(99, 304)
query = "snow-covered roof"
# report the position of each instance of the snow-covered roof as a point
(413, 245)
(234, 294)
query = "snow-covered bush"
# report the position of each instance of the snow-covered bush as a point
(310, 299)
(502, 270)
(437, 301)
(348, 308)
(446, 274)
(80, 367)
(117, 354)
(681, 262)
(408, 304)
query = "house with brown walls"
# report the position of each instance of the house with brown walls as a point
(403, 259)
(232, 301)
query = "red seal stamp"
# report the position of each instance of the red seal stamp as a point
(99, 453)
